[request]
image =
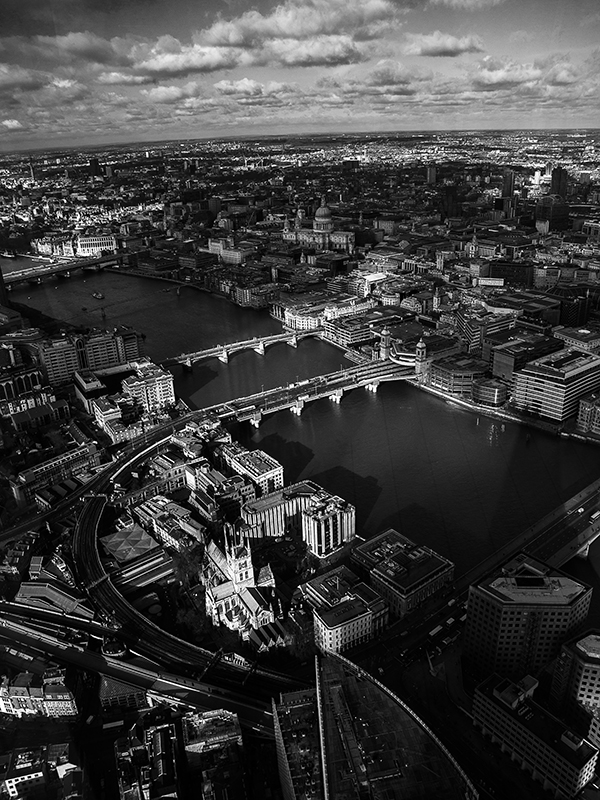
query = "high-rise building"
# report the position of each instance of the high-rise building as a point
(518, 618)
(94, 167)
(558, 184)
(508, 183)
(327, 524)
(545, 748)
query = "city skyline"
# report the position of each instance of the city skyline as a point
(98, 73)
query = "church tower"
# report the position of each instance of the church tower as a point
(420, 363)
(239, 559)
(384, 346)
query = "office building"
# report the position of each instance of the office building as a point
(553, 755)
(511, 356)
(406, 575)
(456, 374)
(328, 522)
(518, 618)
(97, 350)
(279, 513)
(553, 385)
(575, 691)
(558, 183)
(346, 611)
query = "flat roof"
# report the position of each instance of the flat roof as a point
(541, 724)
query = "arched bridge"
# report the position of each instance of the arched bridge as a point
(223, 351)
(64, 268)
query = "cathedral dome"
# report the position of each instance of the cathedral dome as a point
(323, 211)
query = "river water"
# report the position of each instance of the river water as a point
(460, 484)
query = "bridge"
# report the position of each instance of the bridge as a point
(296, 395)
(63, 269)
(223, 351)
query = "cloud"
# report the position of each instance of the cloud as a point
(12, 124)
(441, 44)
(190, 59)
(171, 94)
(305, 20)
(16, 78)
(504, 73)
(467, 5)
(319, 51)
(121, 79)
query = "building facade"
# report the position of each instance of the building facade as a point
(552, 386)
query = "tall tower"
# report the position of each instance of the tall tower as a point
(239, 559)
(558, 184)
(421, 358)
(508, 183)
(384, 346)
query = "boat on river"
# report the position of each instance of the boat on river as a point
(98, 295)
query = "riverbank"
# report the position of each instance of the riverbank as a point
(503, 414)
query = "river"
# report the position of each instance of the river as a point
(461, 484)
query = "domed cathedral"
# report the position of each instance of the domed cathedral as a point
(322, 236)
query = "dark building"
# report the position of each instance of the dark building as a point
(559, 182)
(95, 168)
(553, 210)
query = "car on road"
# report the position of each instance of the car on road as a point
(580, 510)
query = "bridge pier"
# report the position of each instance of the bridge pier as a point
(187, 365)
(297, 407)
(256, 418)
(372, 387)
(584, 551)
(260, 348)
(293, 342)
(336, 397)
(224, 357)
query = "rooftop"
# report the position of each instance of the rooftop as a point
(528, 714)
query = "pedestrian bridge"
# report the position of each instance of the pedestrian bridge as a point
(223, 351)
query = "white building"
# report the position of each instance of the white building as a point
(328, 522)
(552, 385)
(264, 471)
(95, 244)
(152, 386)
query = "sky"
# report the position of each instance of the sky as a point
(83, 72)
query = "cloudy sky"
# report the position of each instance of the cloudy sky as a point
(98, 71)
